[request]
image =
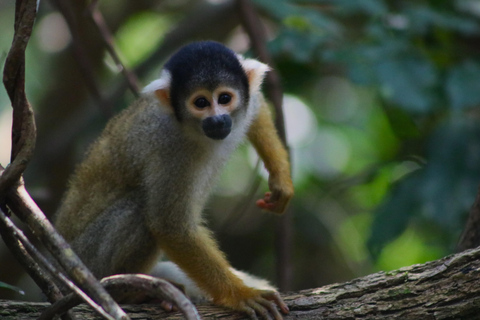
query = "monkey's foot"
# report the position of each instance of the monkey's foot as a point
(262, 304)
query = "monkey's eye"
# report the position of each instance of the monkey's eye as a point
(224, 98)
(201, 103)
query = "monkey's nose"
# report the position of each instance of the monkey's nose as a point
(217, 127)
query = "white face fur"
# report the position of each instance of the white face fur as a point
(215, 105)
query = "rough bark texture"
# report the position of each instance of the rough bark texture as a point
(448, 288)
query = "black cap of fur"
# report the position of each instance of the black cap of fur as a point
(205, 64)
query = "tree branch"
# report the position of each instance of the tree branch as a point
(256, 32)
(471, 235)
(86, 66)
(36, 264)
(283, 229)
(12, 191)
(23, 126)
(10, 235)
(448, 288)
(20, 202)
(99, 21)
(126, 286)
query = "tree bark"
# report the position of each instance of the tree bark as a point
(471, 235)
(448, 288)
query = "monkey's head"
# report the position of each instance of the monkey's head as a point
(208, 87)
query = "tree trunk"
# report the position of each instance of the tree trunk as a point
(471, 235)
(448, 288)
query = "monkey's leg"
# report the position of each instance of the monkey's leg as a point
(198, 255)
(117, 242)
(170, 271)
(263, 135)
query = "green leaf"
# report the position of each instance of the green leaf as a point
(140, 35)
(299, 46)
(370, 7)
(401, 123)
(463, 85)
(408, 82)
(393, 216)
(299, 23)
(295, 16)
(439, 195)
(421, 18)
(452, 174)
(10, 287)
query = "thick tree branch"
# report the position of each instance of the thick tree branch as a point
(448, 288)
(471, 235)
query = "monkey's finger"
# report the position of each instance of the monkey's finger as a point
(271, 307)
(275, 297)
(249, 311)
(262, 204)
(260, 309)
(167, 306)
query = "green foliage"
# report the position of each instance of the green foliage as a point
(417, 57)
(407, 249)
(140, 35)
(462, 86)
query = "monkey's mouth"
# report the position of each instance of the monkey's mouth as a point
(217, 134)
(217, 127)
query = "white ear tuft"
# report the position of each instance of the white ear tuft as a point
(255, 71)
(162, 83)
(161, 89)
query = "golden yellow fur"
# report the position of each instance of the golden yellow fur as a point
(264, 137)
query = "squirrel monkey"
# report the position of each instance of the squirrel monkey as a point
(142, 187)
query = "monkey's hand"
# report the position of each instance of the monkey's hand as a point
(263, 303)
(281, 191)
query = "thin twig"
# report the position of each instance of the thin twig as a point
(86, 67)
(17, 234)
(20, 202)
(12, 190)
(41, 278)
(283, 231)
(34, 270)
(123, 286)
(23, 126)
(256, 32)
(107, 37)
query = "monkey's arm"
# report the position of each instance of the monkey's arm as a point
(198, 255)
(263, 135)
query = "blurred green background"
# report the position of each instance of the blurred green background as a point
(381, 108)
